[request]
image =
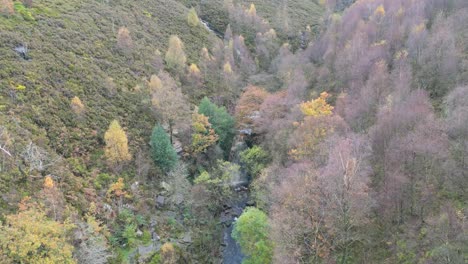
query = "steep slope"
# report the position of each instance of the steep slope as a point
(72, 51)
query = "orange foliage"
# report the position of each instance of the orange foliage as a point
(249, 104)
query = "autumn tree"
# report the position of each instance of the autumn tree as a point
(30, 237)
(298, 224)
(94, 247)
(77, 106)
(192, 18)
(251, 231)
(203, 136)
(6, 7)
(222, 122)
(317, 107)
(116, 149)
(162, 151)
(117, 192)
(124, 40)
(168, 254)
(175, 56)
(248, 106)
(53, 198)
(168, 101)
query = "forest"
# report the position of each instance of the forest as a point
(234, 131)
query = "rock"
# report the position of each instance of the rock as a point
(246, 132)
(187, 238)
(139, 233)
(160, 201)
(134, 187)
(155, 236)
(250, 203)
(166, 186)
(147, 251)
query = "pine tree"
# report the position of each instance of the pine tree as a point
(162, 151)
(192, 18)
(175, 56)
(116, 149)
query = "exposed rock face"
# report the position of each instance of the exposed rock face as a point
(160, 201)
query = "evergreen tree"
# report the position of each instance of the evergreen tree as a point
(222, 122)
(162, 151)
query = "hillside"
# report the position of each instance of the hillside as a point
(232, 131)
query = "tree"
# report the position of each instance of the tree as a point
(162, 151)
(251, 231)
(117, 192)
(77, 106)
(168, 101)
(124, 40)
(255, 159)
(223, 123)
(6, 7)
(252, 10)
(30, 237)
(192, 18)
(175, 56)
(203, 135)
(168, 254)
(116, 149)
(248, 106)
(317, 107)
(94, 248)
(53, 198)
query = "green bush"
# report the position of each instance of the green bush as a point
(255, 159)
(251, 231)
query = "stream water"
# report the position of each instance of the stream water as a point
(232, 253)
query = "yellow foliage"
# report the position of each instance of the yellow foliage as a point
(154, 85)
(203, 135)
(30, 237)
(175, 56)
(309, 144)
(317, 107)
(192, 18)
(48, 182)
(252, 10)
(117, 189)
(116, 149)
(193, 69)
(168, 254)
(419, 28)
(227, 68)
(76, 105)
(379, 43)
(380, 11)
